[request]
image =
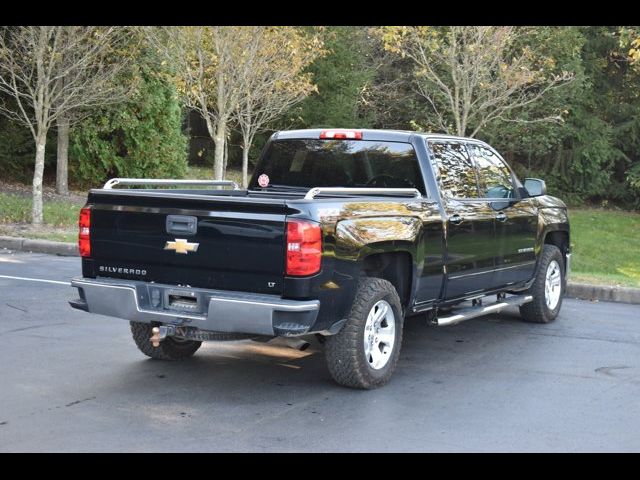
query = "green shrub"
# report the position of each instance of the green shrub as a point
(139, 138)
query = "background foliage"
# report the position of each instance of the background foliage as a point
(591, 157)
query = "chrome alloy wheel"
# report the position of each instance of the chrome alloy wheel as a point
(379, 335)
(553, 285)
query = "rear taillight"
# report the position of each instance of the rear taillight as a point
(304, 248)
(341, 134)
(84, 234)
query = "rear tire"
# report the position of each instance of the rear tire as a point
(365, 352)
(548, 288)
(169, 348)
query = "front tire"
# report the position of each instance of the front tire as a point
(547, 289)
(365, 352)
(169, 349)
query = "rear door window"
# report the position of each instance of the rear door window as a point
(455, 171)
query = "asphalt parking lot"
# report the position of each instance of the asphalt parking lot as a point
(71, 381)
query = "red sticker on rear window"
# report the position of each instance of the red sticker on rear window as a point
(263, 180)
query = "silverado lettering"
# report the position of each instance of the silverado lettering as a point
(126, 271)
(341, 234)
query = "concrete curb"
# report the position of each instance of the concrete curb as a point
(581, 291)
(21, 244)
(603, 293)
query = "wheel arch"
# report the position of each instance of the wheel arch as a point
(396, 267)
(560, 239)
(553, 228)
(383, 247)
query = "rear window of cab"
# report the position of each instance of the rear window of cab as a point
(312, 163)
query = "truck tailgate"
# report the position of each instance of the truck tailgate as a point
(235, 243)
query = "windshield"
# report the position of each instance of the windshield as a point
(337, 163)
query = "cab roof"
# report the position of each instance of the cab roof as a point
(369, 134)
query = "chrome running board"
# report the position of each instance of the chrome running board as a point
(479, 310)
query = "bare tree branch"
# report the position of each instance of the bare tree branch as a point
(474, 75)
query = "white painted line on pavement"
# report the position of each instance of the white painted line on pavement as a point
(35, 280)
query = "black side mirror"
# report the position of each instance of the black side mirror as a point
(535, 187)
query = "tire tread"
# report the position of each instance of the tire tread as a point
(537, 311)
(342, 350)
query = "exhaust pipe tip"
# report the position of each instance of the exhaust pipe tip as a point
(296, 343)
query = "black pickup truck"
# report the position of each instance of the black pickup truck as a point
(341, 234)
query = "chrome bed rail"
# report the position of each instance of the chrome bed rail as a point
(143, 181)
(404, 192)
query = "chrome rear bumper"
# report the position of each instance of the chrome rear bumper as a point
(207, 310)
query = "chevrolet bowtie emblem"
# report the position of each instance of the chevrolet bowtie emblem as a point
(180, 245)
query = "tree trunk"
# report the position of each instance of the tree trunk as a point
(36, 210)
(217, 131)
(220, 137)
(226, 160)
(245, 165)
(62, 163)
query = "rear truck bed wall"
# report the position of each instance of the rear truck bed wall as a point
(130, 226)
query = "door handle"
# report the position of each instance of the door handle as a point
(501, 217)
(456, 219)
